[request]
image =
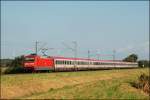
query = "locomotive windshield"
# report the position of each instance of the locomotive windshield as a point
(29, 59)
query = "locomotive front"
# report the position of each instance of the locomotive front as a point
(36, 62)
(29, 62)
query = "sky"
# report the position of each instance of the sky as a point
(98, 26)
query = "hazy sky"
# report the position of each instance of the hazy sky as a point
(97, 26)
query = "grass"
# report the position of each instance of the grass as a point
(102, 84)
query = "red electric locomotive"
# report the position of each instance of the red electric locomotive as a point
(35, 62)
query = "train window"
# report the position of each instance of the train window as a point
(102, 63)
(78, 62)
(94, 63)
(65, 62)
(71, 62)
(29, 59)
(97, 63)
(90, 63)
(68, 62)
(83, 63)
(61, 62)
(56, 62)
(86, 63)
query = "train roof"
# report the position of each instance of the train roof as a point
(81, 59)
(85, 59)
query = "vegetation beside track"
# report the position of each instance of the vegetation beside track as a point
(74, 85)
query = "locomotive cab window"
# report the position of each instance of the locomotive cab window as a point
(29, 59)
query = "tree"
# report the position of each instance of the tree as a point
(15, 66)
(6, 62)
(131, 58)
(143, 63)
(17, 62)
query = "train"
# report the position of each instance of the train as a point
(35, 62)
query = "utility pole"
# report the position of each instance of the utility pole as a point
(36, 47)
(75, 52)
(88, 57)
(114, 51)
(98, 55)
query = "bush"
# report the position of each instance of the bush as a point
(14, 70)
(143, 63)
(143, 83)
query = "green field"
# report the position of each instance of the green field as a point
(100, 84)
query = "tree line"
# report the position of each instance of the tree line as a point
(134, 58)
(16, 62)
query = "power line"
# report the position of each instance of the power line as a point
(74, 49)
